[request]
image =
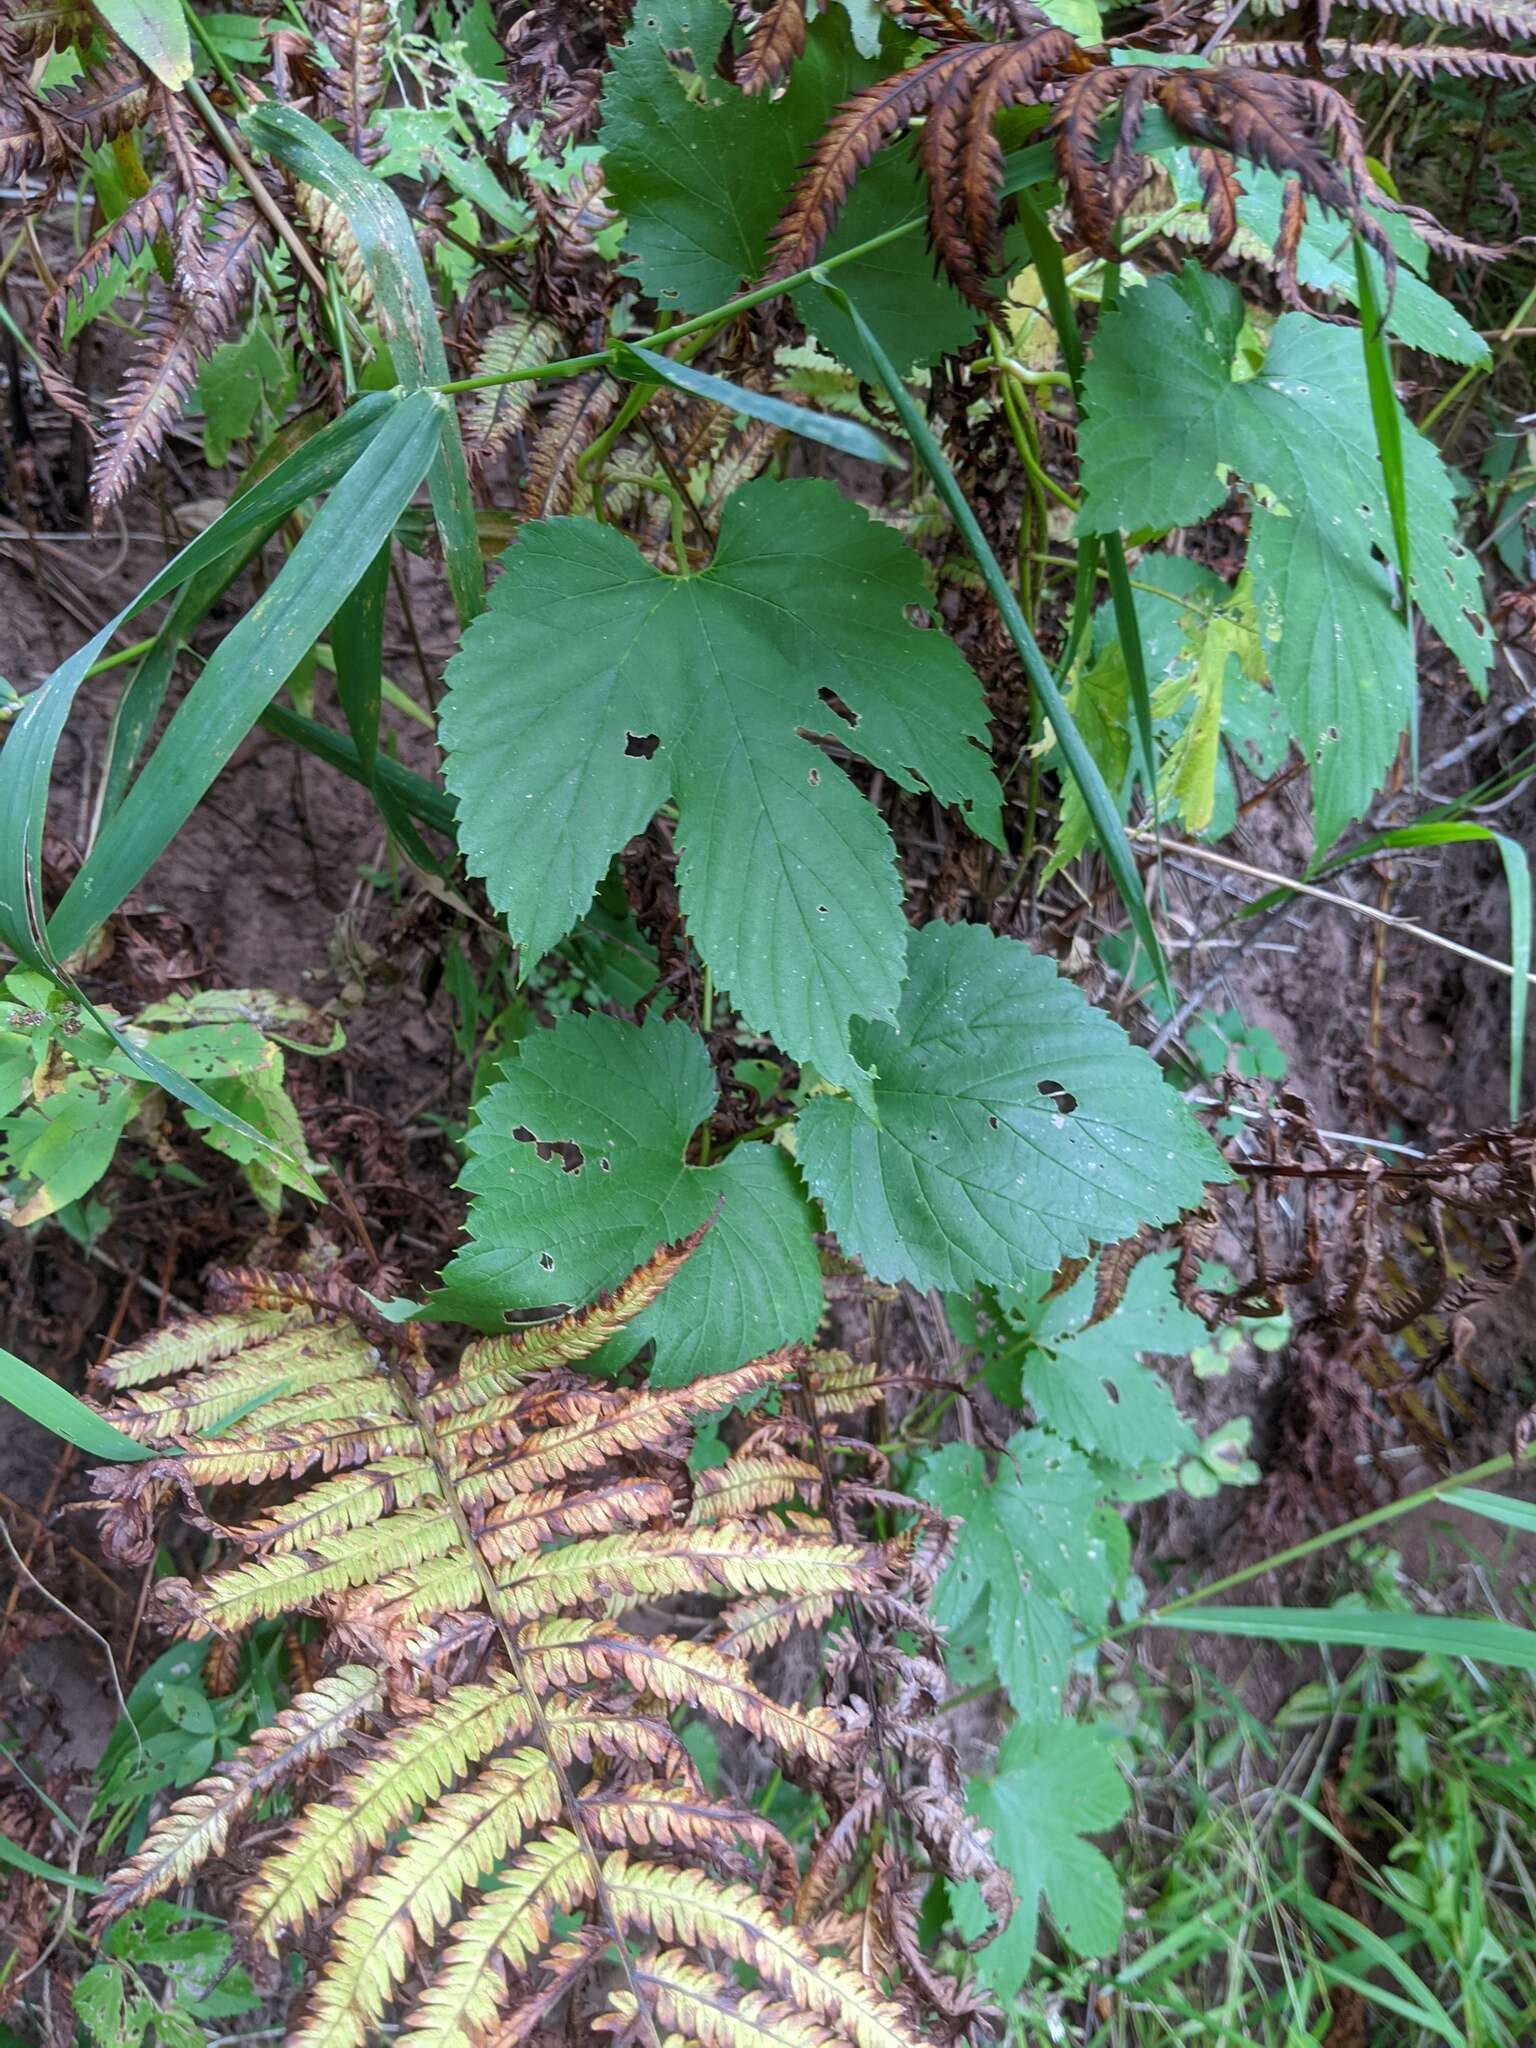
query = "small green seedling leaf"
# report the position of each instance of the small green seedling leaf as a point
(1038, 1551)
(1054, 1786)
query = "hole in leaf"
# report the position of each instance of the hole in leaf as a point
(546, 1262)
(991, 1123)
(814, 778)
(1112, 1391)
(570, 1157)
(835, 704)
(641, 745)
(1061, 1099)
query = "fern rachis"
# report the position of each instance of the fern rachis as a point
(470, 1543)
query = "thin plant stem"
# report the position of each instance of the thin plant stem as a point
(1296, 888)
(1311, 1545)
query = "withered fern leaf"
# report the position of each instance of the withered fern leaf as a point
(355, 31)
(1254, 104)
(172, 345)
(491, 1745)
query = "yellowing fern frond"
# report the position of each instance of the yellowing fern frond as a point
(496, 1749)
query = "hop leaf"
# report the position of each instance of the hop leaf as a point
(594, 687)
(576, 1167)
(1017, 1124)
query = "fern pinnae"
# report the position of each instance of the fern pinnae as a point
(484, 1558)
(503, 1931)
(415, 1892)
(198, 1825)
(686, 1905)
(703, 2007)
(776, 40)
(862, 126)
(492, 417)
(328, 1843)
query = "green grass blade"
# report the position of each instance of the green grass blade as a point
(848, 437)
(434, 807)
(51, 1873)
(1419, 2004)
(1387, 418)
(59, 1412)
(1494, 1507)
(252, 662)
(1438, 1635)
(26, 763)
(407, 315)
(357, 647)
(1116, 568)
(1516, 863)
(1081, 765)
(141, 701)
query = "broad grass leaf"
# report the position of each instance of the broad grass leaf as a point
(156, 32)
(60, 1412)
(407, 315)
(595, 687)
(1054, 1786)
(576, 1173)
(701, 172)
(1165, 423)
(252, 661)
(1418, 1635)
(1017, 1125)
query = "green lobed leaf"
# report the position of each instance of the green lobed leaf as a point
(1038, 1552)
(701, 173)
(1165, 420)
(620, 1102)
(596, 687)
(1017, 1125)
(1086, 1380)
(1054, 1786)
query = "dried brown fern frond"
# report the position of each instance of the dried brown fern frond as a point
(46, 131)
(579, 414)
(172, 345)
(36, 28)
(492, 417)
(776, 40)
(355, 32)
(491, 1746)
(1299, 127)
(1341, 55)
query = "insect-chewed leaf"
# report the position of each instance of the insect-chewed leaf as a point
(594, 687)
(1019, 1124)
(467, 1529)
